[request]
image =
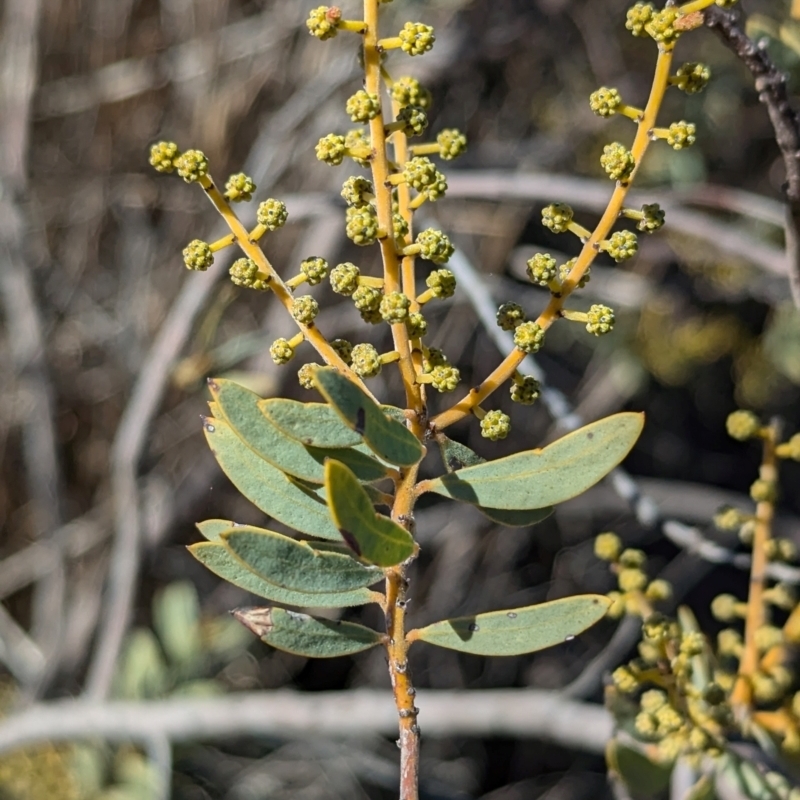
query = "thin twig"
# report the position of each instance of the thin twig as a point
(523, 713)
(771, 85)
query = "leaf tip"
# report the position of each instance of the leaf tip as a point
(213, 386)
(257, 620)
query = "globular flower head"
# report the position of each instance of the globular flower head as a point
(442, 283)
(192, 165)
(416, 324)
(363, 106)
(565, 269)
(344, 349)
(366, 361)
(557, 217)
(509, 315)
(525, 391)
(433, 357)
(305, 309)
(632, 557)
(607, 546)
(322, 22)
(631, 580)
(653, 217)
(331, 149)
(742, 425)
(529, 337)
(305, 375)
(495, 425)
(661, 25)
(163, 156)
(729, 519)
(416, 38)
(452, 143)
(600, 320)
(344, 278)
(399, 226)
(244, 272)
(315, 270)
(621, 245)
(638, 16)
(624, 680)
(367, 298)
(445, 378)
(605, 101)
(764, 491)
(414, 119)
(362, 225)
(240, 188)
(542, 269)
(281, 351)
(791, 449)
(617, 161)
(434, 246)
(407, 91)
(357, 191)
(420, 172)
(394, 307)
(197, 255)
(681, 134)
(692, 77)
(272, 214)
(725, 607)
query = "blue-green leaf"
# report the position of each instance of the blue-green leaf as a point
(312, 424)
(539, 478)
(212, 528)
(222, 562)
(456, 455)
(387, 438)
(374, 538)
(239, 407)
(516, 630)
(265, 485)
(307, 636)
(296, 565)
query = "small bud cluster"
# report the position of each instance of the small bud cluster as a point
(617, 161)
(600, 320)
(239, 188)
(495, 425)
(525, 390)
(365, 360)
(452, 144)
(192, 166)
(605, 102)
(408, 91)
(357, 192)
(244, 272)
(416, 38)
(197, 255)
(542, 269)
(652, 218)
(442, 283)
(420, 173)
(414, 120)
(692, 77)
(394, 308)
(557, 217)
(362, 225)
(315, 270)
(322, 22)
(344, 278)
(621, 245)
(272, 214)
(363, 106)
(681, 134)
(434, 246)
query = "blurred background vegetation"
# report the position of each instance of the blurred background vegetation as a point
(92, 290)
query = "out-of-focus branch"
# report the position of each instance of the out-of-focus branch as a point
(525, 713)
(771, 85)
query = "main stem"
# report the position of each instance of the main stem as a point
(742, 695)
(587, 255)
(402, 512)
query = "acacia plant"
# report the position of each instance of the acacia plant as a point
(685, 697)
(322, 468)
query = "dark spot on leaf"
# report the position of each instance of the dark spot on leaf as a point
(590, 435)
(473, 626)
(595, 602)
(352, 543)
(361, 420)
(454, 463)
(511, 615)
(308, 441)
(209, 427)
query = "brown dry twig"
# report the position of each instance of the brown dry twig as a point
(771, 85)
